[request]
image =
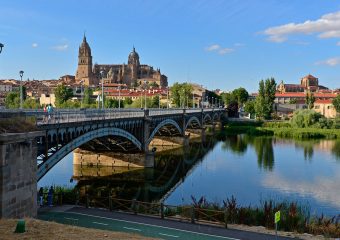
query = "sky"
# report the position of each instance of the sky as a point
(218, 44)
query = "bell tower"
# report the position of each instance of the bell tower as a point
(84, 70)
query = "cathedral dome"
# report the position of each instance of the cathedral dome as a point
(133, 57)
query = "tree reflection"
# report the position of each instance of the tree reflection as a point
(263, 147)
(336, 150)
(265, 153)
(236, 143)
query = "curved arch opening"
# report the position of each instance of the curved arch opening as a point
(43, 168)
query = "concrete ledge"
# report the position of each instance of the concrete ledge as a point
(6, 138)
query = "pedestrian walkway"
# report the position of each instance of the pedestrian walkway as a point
(143, 225)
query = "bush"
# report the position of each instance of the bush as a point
(305, 118)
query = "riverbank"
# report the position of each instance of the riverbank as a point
(279, 129)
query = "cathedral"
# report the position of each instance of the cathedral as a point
(132, 74)
(307, 83)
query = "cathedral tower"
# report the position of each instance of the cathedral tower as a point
(84, 70)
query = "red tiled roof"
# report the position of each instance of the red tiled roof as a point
(301, 94)
(309, 76)
(326, 101)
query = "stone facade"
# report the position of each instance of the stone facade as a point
(307, 83)
(132, 74)
(18, 175)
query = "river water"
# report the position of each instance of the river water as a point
(252, 169)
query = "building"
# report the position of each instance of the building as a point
(307, 83)
(132, 74)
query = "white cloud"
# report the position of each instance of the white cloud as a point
(63, 47)
(327, 27)
(213, 47)
(217, 48)
(223, 51)
(324, 189)
(330, 62)
(34, 45)
(239, 44)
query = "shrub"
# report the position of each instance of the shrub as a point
(305, 118)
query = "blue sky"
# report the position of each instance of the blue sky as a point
(218, 44)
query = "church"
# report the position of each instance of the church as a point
(132, 74)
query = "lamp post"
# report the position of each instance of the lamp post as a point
(21, 93)
(207, 100)
(145, 82)
(119, 97)
(193, 100)
(167, 97)
(1, 46)
(102, 78)
(81, 93)
(141, 98)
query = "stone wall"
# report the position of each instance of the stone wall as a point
(18, 175)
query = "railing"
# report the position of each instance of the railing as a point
(183, 213)
(71, 115)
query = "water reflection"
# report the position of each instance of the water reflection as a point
(263, 147)
(171, 168)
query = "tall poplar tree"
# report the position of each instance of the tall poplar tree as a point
(265, 99)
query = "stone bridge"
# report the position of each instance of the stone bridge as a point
(126, 130)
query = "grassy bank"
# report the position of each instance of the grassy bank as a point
(279, 129)
(295, 217)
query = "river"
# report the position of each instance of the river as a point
(252, 169)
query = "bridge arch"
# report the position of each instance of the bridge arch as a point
(162, 124)
(77, 142)
(207, 117)
(195, 119)
(215, 117)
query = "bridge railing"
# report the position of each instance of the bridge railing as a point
(72, 115)
(62, 116)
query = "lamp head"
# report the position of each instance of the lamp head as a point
(21, 73)
(1, 46)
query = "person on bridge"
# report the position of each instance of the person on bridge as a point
(41, 196)
(49, 111)
(50, 196)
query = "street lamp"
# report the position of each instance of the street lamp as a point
(119, 97)
(21, 93)
(145, 82)
(102, 78)
(1, 46)
(193, 101)
(167, 97)
(81, 93)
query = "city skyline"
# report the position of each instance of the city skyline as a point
(218, 44)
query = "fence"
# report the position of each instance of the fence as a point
(183, 213)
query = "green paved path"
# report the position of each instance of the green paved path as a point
(89, 221)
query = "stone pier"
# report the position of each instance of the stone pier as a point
(18, 174)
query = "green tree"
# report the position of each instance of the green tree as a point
(87, 98)
(181, 94)
(62, 95)
(310, 99)
(336, 103)
(305, 118)
(12, 100)
(293, 101)
(128, 101)
(249, 107)
(265, 99)
(227, 98)
(31, 103)
(155, 101)
(240, 95)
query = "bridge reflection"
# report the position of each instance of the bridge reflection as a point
(144, 184)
